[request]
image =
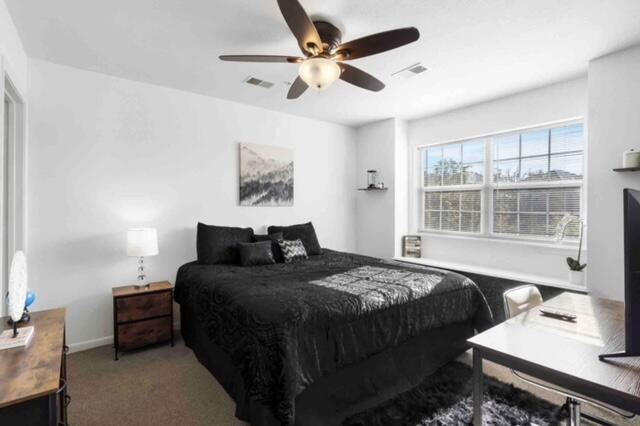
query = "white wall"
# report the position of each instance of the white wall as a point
(401, 181)
(552, 103)
(12, 51)
(108, 154)
(614, 127)
(375, 209)
(381, 216)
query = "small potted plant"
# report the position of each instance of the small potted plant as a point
(576, 269)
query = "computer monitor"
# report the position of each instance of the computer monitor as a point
(631, 275)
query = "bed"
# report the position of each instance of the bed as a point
(333, 333)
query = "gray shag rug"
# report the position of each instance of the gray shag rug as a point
(444, 398)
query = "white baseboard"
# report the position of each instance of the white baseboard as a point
(90, 344)
(101, 341)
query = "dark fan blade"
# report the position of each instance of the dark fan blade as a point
(261, 58)
(376, 43)
(297, 88)
(359, 78)
(301, 26)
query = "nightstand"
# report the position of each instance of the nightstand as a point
(142, 316)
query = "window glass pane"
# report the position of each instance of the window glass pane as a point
(564, 200)
(535, 143)
(505, 223)
(450, 201)
(533, 224)
(432, 201)
(451, 164)
(568, 138)
(572, 231)
(470, 201)
(460, 163)
(565, 167)
(537, 211)
(473, 173)
(473, 151)
(451, 221)
(505, 201)
(470, 222)
(433, 172)
(533, 201)
(452, 152)
(432, 220)
(534, 169)
(451, 174)
(506, 171)
(553, 221)
(506, 146)
(453, 211)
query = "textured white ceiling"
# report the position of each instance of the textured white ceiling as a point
(476, 49)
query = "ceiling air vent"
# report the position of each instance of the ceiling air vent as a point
(257, 82)
(410, 71)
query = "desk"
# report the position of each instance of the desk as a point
(32, 378)
(564, 353)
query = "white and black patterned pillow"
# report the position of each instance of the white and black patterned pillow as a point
(292, 250)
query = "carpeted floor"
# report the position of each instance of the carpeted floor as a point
(158, 386)
(167, 386)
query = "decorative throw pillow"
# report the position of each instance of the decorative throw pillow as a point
(275, 248)
(219, 244)
(293, 250)
(252, 254)
(305, 232)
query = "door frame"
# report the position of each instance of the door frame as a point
(16, 174)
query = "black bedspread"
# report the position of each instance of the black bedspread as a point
(285, 325)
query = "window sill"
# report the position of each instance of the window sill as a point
(491, 272)
(552, 247)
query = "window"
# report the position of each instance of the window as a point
(515, 185)
(453, 177)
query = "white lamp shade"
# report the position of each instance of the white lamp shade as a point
(319, 72)
(142, 242)
(17, 286)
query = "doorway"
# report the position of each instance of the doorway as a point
(12, 168)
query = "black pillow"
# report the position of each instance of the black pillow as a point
(275, 248)
(259, 253)
(292, 250)
(219, 244)
(305, 232)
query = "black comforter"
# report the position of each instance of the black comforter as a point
(285, 325)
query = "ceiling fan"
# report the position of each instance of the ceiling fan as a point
(324, 52)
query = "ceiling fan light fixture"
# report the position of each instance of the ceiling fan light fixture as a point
(319, 72)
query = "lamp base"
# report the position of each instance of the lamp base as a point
(142, 277)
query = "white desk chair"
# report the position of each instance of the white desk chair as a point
(521, 299)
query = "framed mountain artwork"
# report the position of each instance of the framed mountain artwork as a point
(266, 175)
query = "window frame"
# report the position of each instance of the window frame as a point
(488, 186)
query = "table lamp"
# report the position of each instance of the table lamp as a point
(142, 242)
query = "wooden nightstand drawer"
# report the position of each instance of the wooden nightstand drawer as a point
(143, 333)
(142, 316)
(134, 308)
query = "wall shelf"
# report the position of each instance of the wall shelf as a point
(627, 169)
(372, 189)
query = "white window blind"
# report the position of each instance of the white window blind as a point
(516, 185)
(453, 175)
